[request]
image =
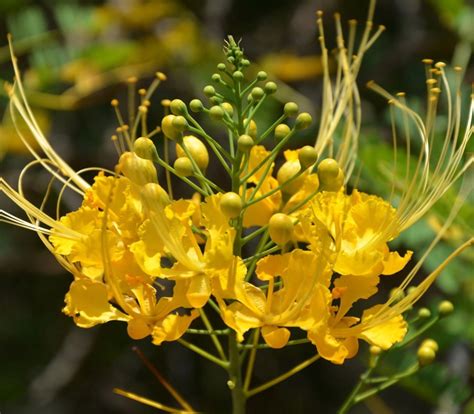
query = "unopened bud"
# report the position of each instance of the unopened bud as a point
(430, 343)
(209, 91)
(138, 170)
(270, 88)
(179, 123)
(168, 129)
(252, 128)
(154, 195)
(424, 313)
(216, 112)
(196, 149)
(280, 228)
(196, 105)
(238, 75)
(144, 148)
(245, 143)
(183, 166)
(291, 109)
(231, 204)
(303, 121)
(445, 308)
(257, 93)
(261, 76)
(281, 131)
(178, 107)
(226, 106)
(287, 171)
(307, 156)
(426, 355)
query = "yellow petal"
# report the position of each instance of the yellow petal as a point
(393, 263)
(199, 290)
(87, 302)
(386, 334)
(172, 327)
(275, 337)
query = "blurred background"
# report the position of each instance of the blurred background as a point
(75, 56)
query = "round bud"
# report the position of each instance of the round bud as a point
(261, 76)
(257, 93)
(290, 109)
(209, 91)
(154, 195)
(196, 105)
(252, 131)
(426, 355)
(216, 112)
(144, 148)
(238, 75)
(221, 67)
(286, 172)
(270, 88)
(179, 123)
(226, 106)
(245, 62)
(397, 294)
(168, 129)
(328, 169)
(307, 156)
(281, 131)
(375, 350)
(430, 343)
(178, 107)
(303, 120)
(216, 77)
(245, 143)
(424, 313)
(196, 149)
(280, 228)
(215, 100)
(231, 205)
(183, 166)
(231, 59)
(445, 308)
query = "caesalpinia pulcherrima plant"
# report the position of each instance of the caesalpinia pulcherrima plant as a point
(276, 252)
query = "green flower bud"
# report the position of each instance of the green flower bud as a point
(226, 106)
(168, 128)
(245, 62)
(238, 75)
(144, 148)
(397, 294)
(215, 100)
(281, 131)
(290, 109)
(286, 172)
(426, 355)
(245, 143)
(307, 156)
(183, 166)
(445, 308)
(216, 77)
(424, 313)
(216, 112)
(221, 67)
(196, 105)
(375, 350)
(430, 343)
(328, 169)
(280, 228)
(153, 194)
(303, 120)
(178, 107)
(270, 88)
(261, 76)
(209, 91)
(257, 93)
(138, 170)
(179, 123)
(197, 150)
(231, 205)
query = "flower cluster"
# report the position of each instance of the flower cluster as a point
(279, 249)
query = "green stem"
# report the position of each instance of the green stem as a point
(350, 401)
(284, 376)
(234, 370)
(204, 354)
(214, 338)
